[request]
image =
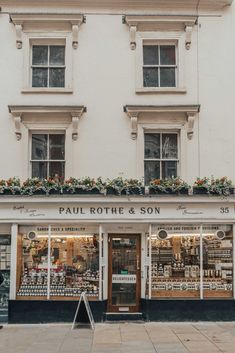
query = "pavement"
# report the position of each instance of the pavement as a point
(154, 337)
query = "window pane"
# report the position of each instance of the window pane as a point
(217, 261)
(169, 169)
(176, 266)
(150, 76)
(151, 171)
(150, 53)
(151, 145)
(40, 55)
(39, 146)
(167, 55)
(56, 77)
(167, 77)
(56, 168)
(33, 270)
(39, 78)
(57, 55)
(56, 146)
(75, 266)
(169, 146)
(39, 170)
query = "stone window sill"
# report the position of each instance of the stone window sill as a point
(161, 90)
(47, 90)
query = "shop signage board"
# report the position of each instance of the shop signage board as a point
(81, 315)
(119, 211)
(124, 278)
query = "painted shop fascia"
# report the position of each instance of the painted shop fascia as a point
(131, 209)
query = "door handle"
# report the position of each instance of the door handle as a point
(137, 263)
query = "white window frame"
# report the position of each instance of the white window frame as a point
(47, 39)
(161, 132)
(161, 38)
(48, 161)
(165, 128)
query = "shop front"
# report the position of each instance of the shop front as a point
(159, 258)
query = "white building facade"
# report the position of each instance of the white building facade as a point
(94, 93)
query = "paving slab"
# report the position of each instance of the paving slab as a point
(152, 337)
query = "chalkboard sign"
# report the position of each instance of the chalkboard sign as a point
(83, 313)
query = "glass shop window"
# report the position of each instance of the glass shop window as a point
(74, 266)
(32, 265)
(175, 266)
(218, 262)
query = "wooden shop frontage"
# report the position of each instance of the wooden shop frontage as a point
(159, 258)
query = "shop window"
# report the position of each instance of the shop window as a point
(48, 155)
(48, 66)
(160, 156)
(175, 266)
(159, 65)
(178, 270)
(73, 267)
(218, 263)
(5, 263)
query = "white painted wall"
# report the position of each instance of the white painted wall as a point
(104, 81)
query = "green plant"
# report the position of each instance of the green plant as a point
(168, 185)
(12, 185)
(221, 186)
(202, 183)
(85, 184)
(125, 186)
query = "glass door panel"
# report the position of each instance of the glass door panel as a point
(124, 277)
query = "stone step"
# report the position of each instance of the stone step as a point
(137, 317)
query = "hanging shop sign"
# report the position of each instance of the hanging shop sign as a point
(97, 211)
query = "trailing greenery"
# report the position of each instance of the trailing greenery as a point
(171, 185)
(117, 186)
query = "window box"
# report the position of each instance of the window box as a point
(200, 191)
(80, 191)
(127, 191)
(168, 191)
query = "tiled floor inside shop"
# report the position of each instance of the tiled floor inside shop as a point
(120, 338)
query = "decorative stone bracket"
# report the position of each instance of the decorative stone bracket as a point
(135, 112)
(62, 22)
(70, 113)
(160, 23)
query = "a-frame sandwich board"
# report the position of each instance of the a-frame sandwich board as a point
(83, 313)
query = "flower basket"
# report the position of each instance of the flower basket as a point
(221, 187)
(173, 186)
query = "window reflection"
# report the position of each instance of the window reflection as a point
(176, 266)
(218, 265)
(74, 266)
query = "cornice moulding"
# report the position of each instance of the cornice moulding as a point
(24, 22)
(160, 23)
(20, 112)
(21, 18)
(134, 112)
(111, 4)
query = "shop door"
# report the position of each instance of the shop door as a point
(124, 273)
